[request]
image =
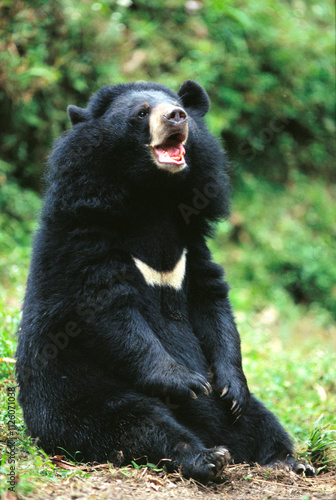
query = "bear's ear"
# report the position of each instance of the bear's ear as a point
(76, 114)
(194, 96)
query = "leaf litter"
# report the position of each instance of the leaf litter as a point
(239, 482)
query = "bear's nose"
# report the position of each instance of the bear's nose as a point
(176, 116)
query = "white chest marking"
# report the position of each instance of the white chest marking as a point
(172, 278)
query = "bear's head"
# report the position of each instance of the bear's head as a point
(134, 143)
(148, 117)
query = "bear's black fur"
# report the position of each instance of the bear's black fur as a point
(125, 313)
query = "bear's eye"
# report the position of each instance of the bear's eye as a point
(142, 113)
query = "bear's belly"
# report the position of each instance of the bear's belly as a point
(166, 313)
(182, 344)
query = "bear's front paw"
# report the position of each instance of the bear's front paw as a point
(197, 384)
(232, 388)
(178, 382)
(188, 384)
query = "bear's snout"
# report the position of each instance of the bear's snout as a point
(176, 116)
(168, 125)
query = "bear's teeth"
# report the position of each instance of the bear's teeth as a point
(170, 155)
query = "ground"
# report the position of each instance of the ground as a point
(238, 482)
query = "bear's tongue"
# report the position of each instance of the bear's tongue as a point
(170, 152)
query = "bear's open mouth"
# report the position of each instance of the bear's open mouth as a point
(172, 150)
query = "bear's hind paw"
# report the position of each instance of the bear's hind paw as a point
(208, 464)
(300, 468)
(304, 469)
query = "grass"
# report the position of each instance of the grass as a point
(288, 344)
(321, 446)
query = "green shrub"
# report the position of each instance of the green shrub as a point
(321, 447)
(268, 67)
(280, 245)
(18, 214)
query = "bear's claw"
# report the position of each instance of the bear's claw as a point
(297, 467)
(304, 469)
(207, 464)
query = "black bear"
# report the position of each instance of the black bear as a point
(128, 347)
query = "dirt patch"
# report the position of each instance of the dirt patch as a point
(238, 482)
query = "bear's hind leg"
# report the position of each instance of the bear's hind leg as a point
(257, 436)
(148, 430)
(136, 428)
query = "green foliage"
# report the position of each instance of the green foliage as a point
(153, 467)
(280, 245)
(321, 447)
(268, 67)
(292, 372)
(18, 214)
(274, 84)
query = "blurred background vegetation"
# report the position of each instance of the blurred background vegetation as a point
(268, 66)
